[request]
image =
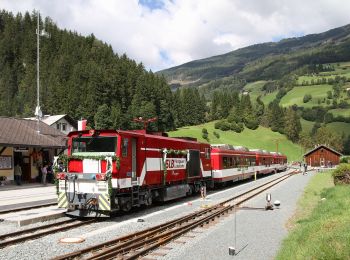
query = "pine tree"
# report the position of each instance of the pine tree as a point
(102, 117)
(292, 127)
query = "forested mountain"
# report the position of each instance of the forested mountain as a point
(300, 92)
(80, 76)
(266, 61)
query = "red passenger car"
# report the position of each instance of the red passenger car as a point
(232, 163)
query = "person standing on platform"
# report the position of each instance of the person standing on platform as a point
(44, 174)
(18, 174)
(49, 173)
(305, 168)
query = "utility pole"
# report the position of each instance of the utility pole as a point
(277, 141)
(38, 113)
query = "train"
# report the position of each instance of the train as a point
(110, 171)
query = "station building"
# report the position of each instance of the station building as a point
(322, 156)
(30, 143)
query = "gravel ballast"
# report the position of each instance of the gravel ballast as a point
(259, 233)
(49, 246)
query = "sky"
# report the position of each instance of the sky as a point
(166, 33)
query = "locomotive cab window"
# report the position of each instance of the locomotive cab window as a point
(90, 144)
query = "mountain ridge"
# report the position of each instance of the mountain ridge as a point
(328, 46)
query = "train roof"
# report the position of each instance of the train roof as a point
(139, 133)
(256, 150)
(230, 147)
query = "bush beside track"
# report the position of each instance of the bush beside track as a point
(320, 227)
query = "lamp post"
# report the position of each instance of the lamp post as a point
(38, 113)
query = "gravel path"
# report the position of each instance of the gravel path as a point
(259, 233)
(48, 247)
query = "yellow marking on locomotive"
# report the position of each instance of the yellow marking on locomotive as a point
(62, 200)
(104, 203)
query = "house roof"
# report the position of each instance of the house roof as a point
(325, 147)
(22, 132)
(50, 120)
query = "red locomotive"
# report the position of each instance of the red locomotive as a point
(110, 170)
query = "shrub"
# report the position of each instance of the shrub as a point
(205, 136)
(222, 125)
(240, 127)
(307, 98)
(216, 135)
(341, 174)
(345, 159)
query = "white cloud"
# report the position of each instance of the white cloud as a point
(183, 30)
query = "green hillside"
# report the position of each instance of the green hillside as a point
(266, 61)
(339, 127)
(262, 138)
(306, 125)
(255, 90)
(296, 95)
(340, 112)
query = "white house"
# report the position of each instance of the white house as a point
(63, 123)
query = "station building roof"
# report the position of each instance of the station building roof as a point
(21, 132)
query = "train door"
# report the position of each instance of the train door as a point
(133, 159)
(193, 165)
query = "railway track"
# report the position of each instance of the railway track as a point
(33, 233)
(143, 242)
(6, 211)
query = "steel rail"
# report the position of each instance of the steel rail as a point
(71, 223)
(6, 211)
(126, 239)
(154, 242)
(117, 246)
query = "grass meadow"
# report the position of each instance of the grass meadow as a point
(320, 228)
(340, 112)
(339, 127)
(262, 138)
(296, 95)
(306, 125)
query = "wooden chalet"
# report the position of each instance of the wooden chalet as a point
(322, 156)
(30, 143)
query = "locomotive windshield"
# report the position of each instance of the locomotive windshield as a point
(99, 144)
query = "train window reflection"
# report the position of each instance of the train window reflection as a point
(94, 144)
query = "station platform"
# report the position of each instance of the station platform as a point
(13, 197)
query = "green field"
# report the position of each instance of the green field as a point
(255, 90)
(306, 125)
(339, 127)
(262, 138)
(296, 95)
(343, 70)
(320, 226)
(340, 112)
